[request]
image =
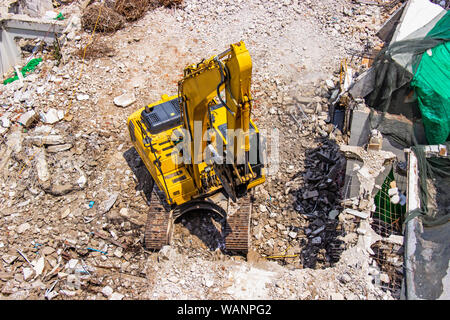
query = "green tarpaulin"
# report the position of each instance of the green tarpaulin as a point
(431, 83)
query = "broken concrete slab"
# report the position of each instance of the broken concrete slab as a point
(46, 140)
(59, 148)
(356, 213)
(125, 100)
(52, 116)
(333, 214)
(42, 168)
(9, 258)
(116, 296)
(28, 118)
(34, 8)
(108, 204)
(132, 216)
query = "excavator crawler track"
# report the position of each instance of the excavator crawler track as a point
(159, 225)
(236, 231)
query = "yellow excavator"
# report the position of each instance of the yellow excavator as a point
(197, 144)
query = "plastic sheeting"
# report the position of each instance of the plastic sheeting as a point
(432, 86)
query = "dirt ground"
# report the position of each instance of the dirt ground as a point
(53, 204)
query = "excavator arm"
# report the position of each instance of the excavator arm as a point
(200, 89)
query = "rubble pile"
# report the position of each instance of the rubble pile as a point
(318, 200)
(73, 198)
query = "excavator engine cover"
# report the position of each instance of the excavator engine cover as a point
(162, 117)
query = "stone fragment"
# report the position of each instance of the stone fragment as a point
(48, 250)
(356, 213)
(9, 258)
(65, 213)
(329, 83)
(107, 291)
(316, 240)
(384, 278)
(345, 278)
(23, 227)
(39, 265)
(27, 273)
(116, 296)
(317, 231)
(293, 234)
(107, 205)
(5, 122)
(310, 194)
(27, 118)
(41, 166)
(209, 283)
(52, 116)
(118, 252)
(125, 100)
(167, 253)
(333, 214)
(59, 148)
(47, 140)
(82, 97)
(336, 296)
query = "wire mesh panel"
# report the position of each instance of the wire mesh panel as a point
(389, 258)
(387, 221)
(388, 216)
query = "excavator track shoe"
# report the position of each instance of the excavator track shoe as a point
(159, 225)
(237, 227)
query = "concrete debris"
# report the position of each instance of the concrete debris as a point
(167, 253)
(5, 122)
(107, 291)
(48, 251)
(47, 140)
(23, 227)
(108, 204)
(125, 100)
(59, 148)
(356, 213)
(8, 258)
(28, 118)
(384, 278)
(27, 273)
(39, 265)
(82, 97)
(52, 116)
(35, 8)
(333, 214)
(116, 296)
(41, 166)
